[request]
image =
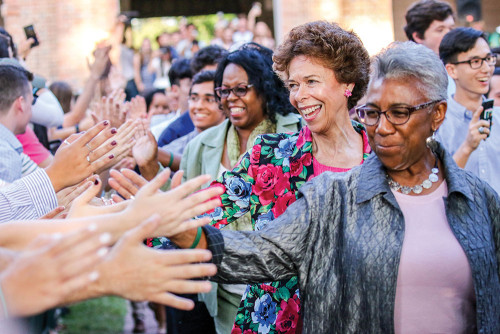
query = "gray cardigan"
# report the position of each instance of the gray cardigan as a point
(343, 239)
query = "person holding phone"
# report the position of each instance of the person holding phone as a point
(465, 132)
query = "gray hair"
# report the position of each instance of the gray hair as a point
(409, 60)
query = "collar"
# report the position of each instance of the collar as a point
(458, 110)
(372, 177)
(216, 135)
(7, 136)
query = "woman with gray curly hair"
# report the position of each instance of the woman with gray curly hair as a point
(405, 243)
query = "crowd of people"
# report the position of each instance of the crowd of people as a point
(320, 190)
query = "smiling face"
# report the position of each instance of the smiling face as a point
(472, 81)
(203, 108)
(435, 33)
(245, 112)
(401, 146)
(316, 94)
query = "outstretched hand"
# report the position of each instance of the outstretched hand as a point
(81, 156)
(126, 182)
(82, 206)
(52, 269)
(136, 272)
(176, 207)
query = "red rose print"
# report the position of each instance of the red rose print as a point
(295, 167)
(282, 203)
(288, 316)
(255, 156)
(306, 159)
(268, 288)
(236, 330)
(265, 180)
(282, 182)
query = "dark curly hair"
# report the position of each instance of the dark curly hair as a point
(337, 49)
(257, 62)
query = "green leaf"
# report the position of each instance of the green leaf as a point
(292, 282)
(283, 293)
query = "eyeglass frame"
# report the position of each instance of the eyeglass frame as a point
(493, 55)
(411, 110)
(232, 89)
(203, 98)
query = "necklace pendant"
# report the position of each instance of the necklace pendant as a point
(427, 184)
(417, 189)
(405, 190)
(433, 178)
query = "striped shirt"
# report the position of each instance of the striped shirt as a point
(30, 197)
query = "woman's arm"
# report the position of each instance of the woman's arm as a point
(273, 253)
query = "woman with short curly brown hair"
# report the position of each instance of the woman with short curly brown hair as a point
(326, 70)
(332, 47)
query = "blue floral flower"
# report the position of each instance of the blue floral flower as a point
(285, 148)
(263, 220)
(238, 191)
(217, 214)
(264, 313)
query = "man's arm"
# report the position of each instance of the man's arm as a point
(27, 198)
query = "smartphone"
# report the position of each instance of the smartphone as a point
(487, 113)
(30, 33)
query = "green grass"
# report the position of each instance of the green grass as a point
(101, 315)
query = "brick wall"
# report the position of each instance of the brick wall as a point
(68, 32)
(370, 19)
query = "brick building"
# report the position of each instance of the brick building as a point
(69, 30)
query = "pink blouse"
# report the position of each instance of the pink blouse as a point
(434, 292)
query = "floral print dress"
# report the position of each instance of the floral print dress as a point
(265, 183)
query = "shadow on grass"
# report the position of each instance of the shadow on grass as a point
(100, 316)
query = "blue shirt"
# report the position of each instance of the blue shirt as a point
(11, 161)
(178, 128)
(485, 160)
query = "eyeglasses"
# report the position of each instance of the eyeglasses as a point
(35, 97)
(476, 63)
(240, 91)
(205, 99)
(397, 115)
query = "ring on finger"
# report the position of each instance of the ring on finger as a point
(66, 142)
(88, 158)
(481, 130)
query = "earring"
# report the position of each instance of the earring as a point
(347, 93)
(431, 142)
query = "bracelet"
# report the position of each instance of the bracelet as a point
(4, 303)
(197, 239)
(171, 160)
(77, 128)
